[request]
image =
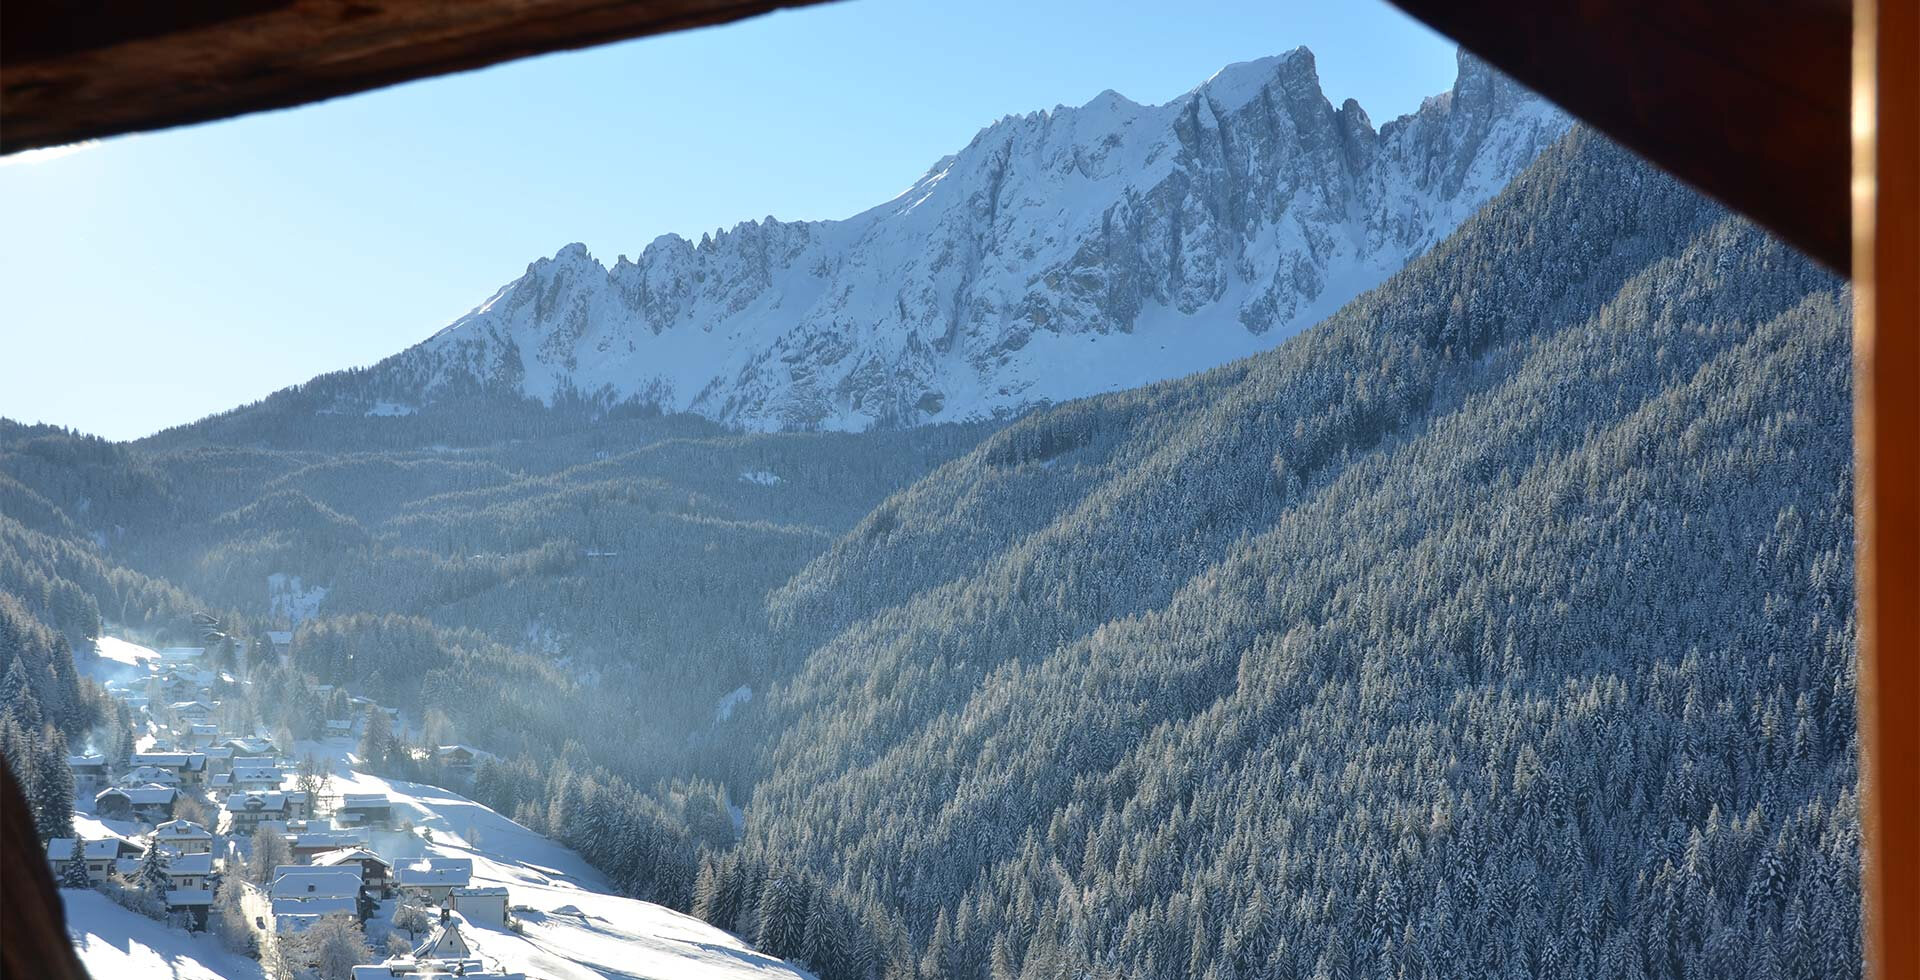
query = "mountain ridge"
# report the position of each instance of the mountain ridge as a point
(1179, 236)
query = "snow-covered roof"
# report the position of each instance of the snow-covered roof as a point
(170, 760)
(90, 760)
(190, 864)
(182, 897)
(264, 802)
(148, 795)
(300, 882)
(344, 855)
(266, 776)
(177, 830)
(61, 848)
(329, 839)
(280, 637)
(144, 775)
(437, 871)
(365, 801)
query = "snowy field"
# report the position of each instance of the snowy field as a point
(116, 944)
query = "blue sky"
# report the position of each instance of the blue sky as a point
(155, 279)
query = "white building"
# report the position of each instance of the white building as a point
(183, 837)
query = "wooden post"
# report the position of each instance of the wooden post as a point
(1886, 273)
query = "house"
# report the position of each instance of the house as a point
(102, 856)
(191, 767)
(302, 895)
(183, 837)
(219, 759)
(364, 810)
(247, 811)
(460, 760)
(191, 872)
(485, 904)
(432, 879)
(220, 783)
(89, 773)
(376, 875)
(201, 736)
(313, 843)
(256, 776)
(282, 640)
(150, 803)
(339, 727)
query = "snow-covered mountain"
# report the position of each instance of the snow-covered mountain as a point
(1058, 254)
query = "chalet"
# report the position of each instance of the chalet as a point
(486, 904)
(339, 727)
(432, 879)
(364, 810)
(220, 783)
(219, 759)
(376, 874)
(313, 843)
(201, 736)
(102, 856)
(150, 803)
(460, 760)
(247, 811)
(183, 837)
(89, 773)
(251, 777)
(281, 640)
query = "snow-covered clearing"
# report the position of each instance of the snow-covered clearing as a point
(120, 658)
(116, 944)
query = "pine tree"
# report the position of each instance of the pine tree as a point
(75, 875)
(53, 788)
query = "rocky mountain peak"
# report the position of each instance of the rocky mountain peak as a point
(1057, 254)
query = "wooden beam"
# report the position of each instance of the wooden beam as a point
(1747, 103)
(1886, 350)
(81, 69)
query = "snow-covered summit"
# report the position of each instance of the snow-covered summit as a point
(1060, 253)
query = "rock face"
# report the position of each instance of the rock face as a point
(1058, 254)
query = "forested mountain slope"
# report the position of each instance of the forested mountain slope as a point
(1502, 625)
